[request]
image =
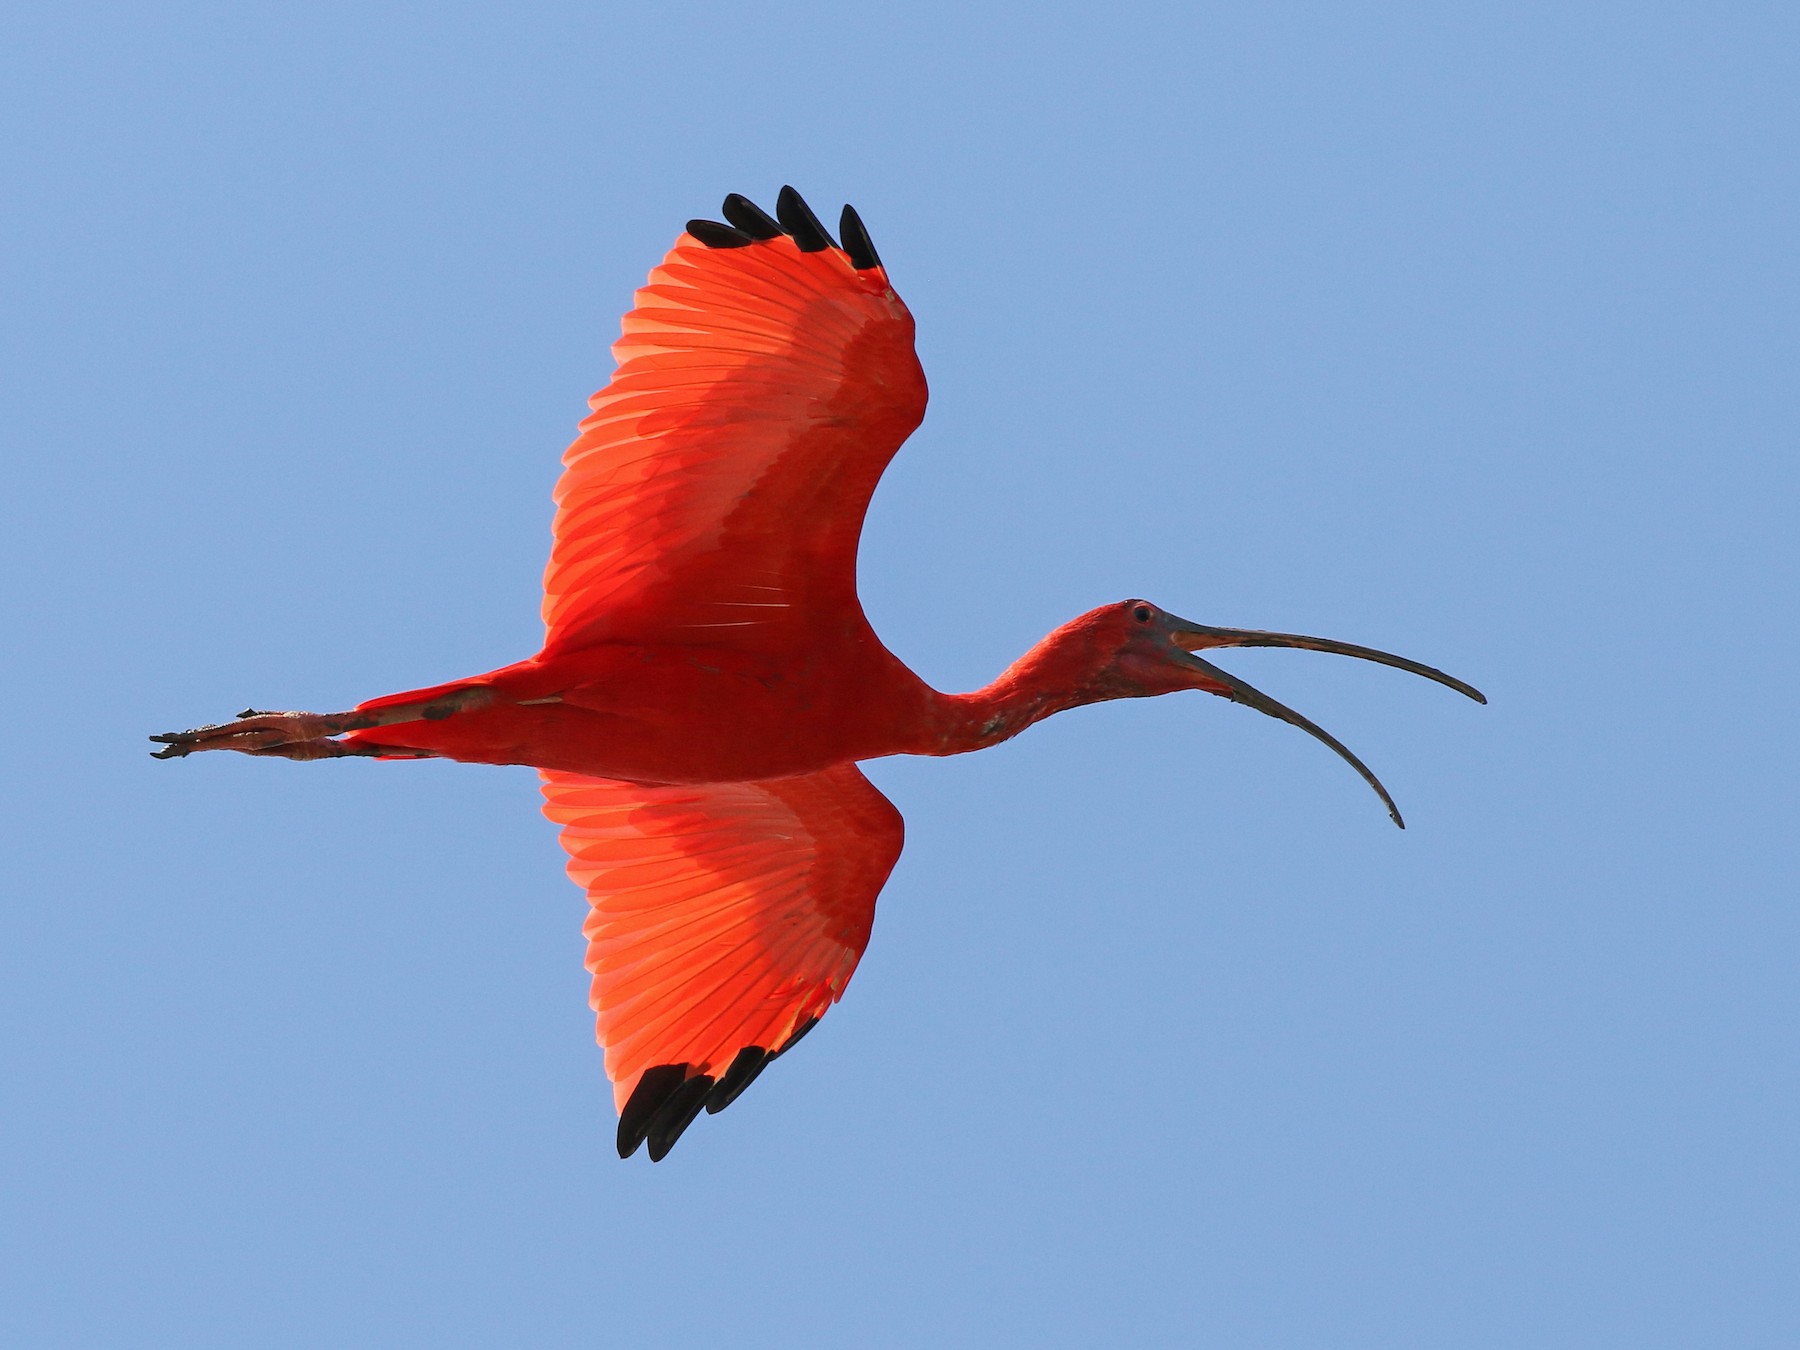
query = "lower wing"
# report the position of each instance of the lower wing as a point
(727, 917)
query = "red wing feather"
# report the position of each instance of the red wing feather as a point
(717, 490)
(727, 917)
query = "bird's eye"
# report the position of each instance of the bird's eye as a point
(1141, 614)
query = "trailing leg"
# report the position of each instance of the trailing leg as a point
(326, 748)
(303, 735)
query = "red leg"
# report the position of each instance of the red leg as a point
(302, 735)
(326, 748)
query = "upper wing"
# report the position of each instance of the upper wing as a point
(727, 917)
(717, 490)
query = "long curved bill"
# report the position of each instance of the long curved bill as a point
(1197, 637)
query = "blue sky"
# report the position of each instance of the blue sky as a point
(1466, 331)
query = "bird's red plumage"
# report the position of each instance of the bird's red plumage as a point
(716, 493)
(724, 915)
(706, 652)
(708, 681)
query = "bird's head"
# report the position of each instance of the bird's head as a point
(1140, 649)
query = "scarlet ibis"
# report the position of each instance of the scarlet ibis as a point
(708, 682)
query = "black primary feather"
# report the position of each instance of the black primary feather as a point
(750, 218)
(653, 1089)
(714, 235)
(675, 1114)
(856, 241)
(750, 1061)
(799, 221)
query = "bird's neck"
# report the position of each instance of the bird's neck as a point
(1057, 674)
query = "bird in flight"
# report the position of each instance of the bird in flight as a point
(708, 682)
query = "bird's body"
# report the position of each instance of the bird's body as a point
(675, 715)
(711, 714)
(708, 681)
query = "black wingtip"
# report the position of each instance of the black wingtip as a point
(748, 1063)
(667, 1099)
(714, 235)
(676, 1114)
(653, 1090)
(856, 241)
(798, 220)
(750, 218)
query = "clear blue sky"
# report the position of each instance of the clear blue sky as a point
(1463, 330)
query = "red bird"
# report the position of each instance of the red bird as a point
(708, 681)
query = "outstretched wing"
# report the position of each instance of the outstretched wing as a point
(716, 493)
(727, 917)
